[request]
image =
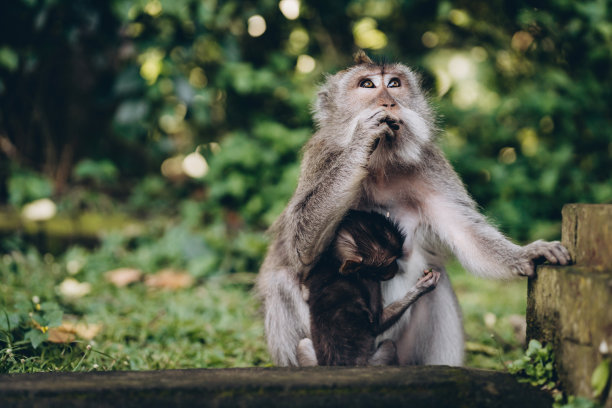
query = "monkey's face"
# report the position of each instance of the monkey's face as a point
(389, 92)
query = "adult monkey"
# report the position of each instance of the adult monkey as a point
(374, 150)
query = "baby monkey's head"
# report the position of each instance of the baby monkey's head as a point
(369, 244)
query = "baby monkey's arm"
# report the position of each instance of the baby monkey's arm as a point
(392, 313)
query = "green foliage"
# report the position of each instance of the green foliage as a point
(25, 186)
(522, 91)
(601, 377)
(536, 367)
(493, 317)
(99, 172)
(210, 324)
(577, 402)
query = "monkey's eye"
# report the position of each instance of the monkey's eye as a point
(366, 83)
(394, 83)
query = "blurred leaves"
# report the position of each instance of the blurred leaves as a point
(524, 93)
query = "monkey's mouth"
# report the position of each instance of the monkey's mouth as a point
(394, 124)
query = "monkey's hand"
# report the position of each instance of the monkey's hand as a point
(375, 125)
(392, 313)
(537, 252)
(428, 281)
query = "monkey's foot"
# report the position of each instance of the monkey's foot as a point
(306, 354)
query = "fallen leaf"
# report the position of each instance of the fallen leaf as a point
(87, 331)
(62, 334)
(123, 276)
(169, 279)
(68, 332)
(73, 289)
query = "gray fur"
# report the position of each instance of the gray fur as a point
(357, 160)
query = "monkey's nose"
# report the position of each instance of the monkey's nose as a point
(386, 105)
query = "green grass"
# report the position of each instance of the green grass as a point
(213, 323)
(493, 345)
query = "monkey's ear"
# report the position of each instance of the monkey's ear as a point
(350, 265)
(361, 57)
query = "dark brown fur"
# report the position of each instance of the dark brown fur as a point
(346, 310)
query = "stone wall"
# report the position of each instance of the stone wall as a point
(354, 387)
(571, 306)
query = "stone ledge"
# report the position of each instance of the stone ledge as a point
(273, 387)
(587, 233)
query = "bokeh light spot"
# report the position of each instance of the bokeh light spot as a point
(298, 40)
(521, 40)
(430, 39)
(460, 67)
(479, 54)
(172, 167)
(153, 8)
(459, 17)
(194, 165)
(290, 8)
(507, 155)
(256, 25)
(39, 210)
(151, 67)
(368, 36)
(546, 124)
(529, 141)
(197, 78)
(305, 64)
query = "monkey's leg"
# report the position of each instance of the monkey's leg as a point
(286, 315)
(306, 353)
(392, 313)
(434, 333)
(385, 354)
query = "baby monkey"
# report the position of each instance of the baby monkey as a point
(344, 295)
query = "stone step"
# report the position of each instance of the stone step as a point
(354, 387)
(570, 307)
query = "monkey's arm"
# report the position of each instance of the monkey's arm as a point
(479, 246)
(329, 185)
(392, 313)
(318, 206)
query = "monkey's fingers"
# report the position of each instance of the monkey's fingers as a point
(561, 253)
(525, 268)
(555, 254)
(548, 255)
(393, 124)
(428, 282)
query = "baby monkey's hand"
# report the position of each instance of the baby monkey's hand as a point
(429, 280)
